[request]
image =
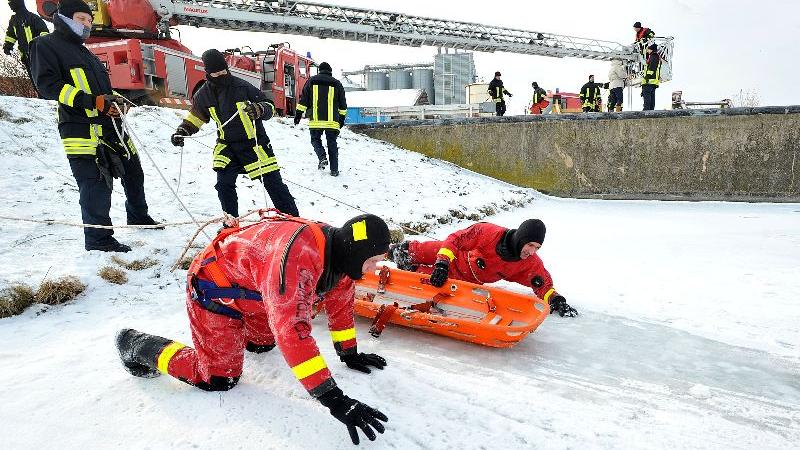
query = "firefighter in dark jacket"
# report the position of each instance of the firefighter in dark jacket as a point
(23, 28)
(590, 95)
(242, 145)
(643, 36)
(496, 91)
(651, 78)
(66, 71)
(324, 104)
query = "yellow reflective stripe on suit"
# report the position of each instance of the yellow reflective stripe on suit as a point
(330, 102)
(220, 131)
(83, 146)
(247, 122)
(67, 95)
(28, 34)
(315, 103)
(220, 161)
(166, 356)
(301, 108)
(343, 335)
(194, 120)
(309, 367)
(79, 78)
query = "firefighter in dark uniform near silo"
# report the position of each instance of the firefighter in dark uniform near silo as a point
(496, 91)
(590, 95)
(324, 104)
(651, 78)
(23, 28)
(243, 146)
(63, 69)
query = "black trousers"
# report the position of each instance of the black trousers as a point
(333, 147)
(649, 96)
(500, 108)
(614, 98)
(276, 189)
(95, 197)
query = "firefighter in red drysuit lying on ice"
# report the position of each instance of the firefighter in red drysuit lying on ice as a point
(485, 253)
(255, 287)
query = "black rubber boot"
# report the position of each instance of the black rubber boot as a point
(139, 352)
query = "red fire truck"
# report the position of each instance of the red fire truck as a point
(150, 68)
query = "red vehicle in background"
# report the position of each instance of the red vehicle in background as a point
(151, 68)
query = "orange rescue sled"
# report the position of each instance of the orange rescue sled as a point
(460, 310)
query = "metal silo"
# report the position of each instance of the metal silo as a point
(377, 81)
(452, 73)
(423, 79)
(400, 79)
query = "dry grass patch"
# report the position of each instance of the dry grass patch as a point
(136, 264)
(58, 291)
(113, 275)
(15, 299)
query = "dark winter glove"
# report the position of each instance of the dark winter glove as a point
(256, 110)
(353, 413)
(440, 271)
(360, 361)
(177, 138)
(105, 104)
(297, 116)
(7, 47)
(509, 94)
(558, 304)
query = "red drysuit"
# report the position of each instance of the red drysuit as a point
(253, 259)
(479, 242)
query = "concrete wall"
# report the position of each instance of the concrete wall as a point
(734, 154)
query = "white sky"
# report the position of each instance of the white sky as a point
(721, 46)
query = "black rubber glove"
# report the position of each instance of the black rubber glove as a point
(360, 361)
(352, 413)
(440, 271)
(177, 137)
(297, 116)
(7, 47)
(558, 304)
(254, 110)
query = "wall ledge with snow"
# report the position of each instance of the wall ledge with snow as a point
(739, 154)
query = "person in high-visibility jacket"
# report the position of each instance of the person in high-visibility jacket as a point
(63, 69)
(256, 287)
(539, 101)
(590, 95)
(23, 27)
(486, 253)
(243, 146)
(496, 91)
(651, 78)
(324, 104)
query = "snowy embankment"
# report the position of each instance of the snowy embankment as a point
(688, 336)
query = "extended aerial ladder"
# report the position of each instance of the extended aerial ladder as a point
(383, 27)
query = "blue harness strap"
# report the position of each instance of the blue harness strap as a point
(204, 292)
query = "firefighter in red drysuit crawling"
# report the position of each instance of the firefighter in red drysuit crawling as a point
(253, 288)
(486, 253)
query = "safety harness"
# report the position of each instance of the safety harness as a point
(210, 287)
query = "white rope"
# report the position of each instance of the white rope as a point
(89, 225)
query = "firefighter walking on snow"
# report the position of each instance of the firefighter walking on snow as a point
(590, 95)
(23, 27)
(486, 253)
(242, 144)
(324, 104)
(496, 91)
(63, 69)
(254, 288)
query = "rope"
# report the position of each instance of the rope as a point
(49, 167)
(89, 225)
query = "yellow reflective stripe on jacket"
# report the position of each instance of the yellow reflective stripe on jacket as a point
(548, 294)
(446, 252)
(166, 355)
(342, 112)
(220, 161)
(83, 146)
(247, 123)
(301, 108)
(10, 39)
(220, 131)
(343, 335)
(330, 103)
(79, 77)
(194, 120)
(28, 34)
(67, 95)
(315, 103)
(329, 124)
(309, 367)
(263, 166)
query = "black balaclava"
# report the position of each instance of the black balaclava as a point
(535, 84)
(325, 68)
(17, 5)
(510, 246)
(358, 240)
(214, 61)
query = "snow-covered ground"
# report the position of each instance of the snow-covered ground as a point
(688, 336)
